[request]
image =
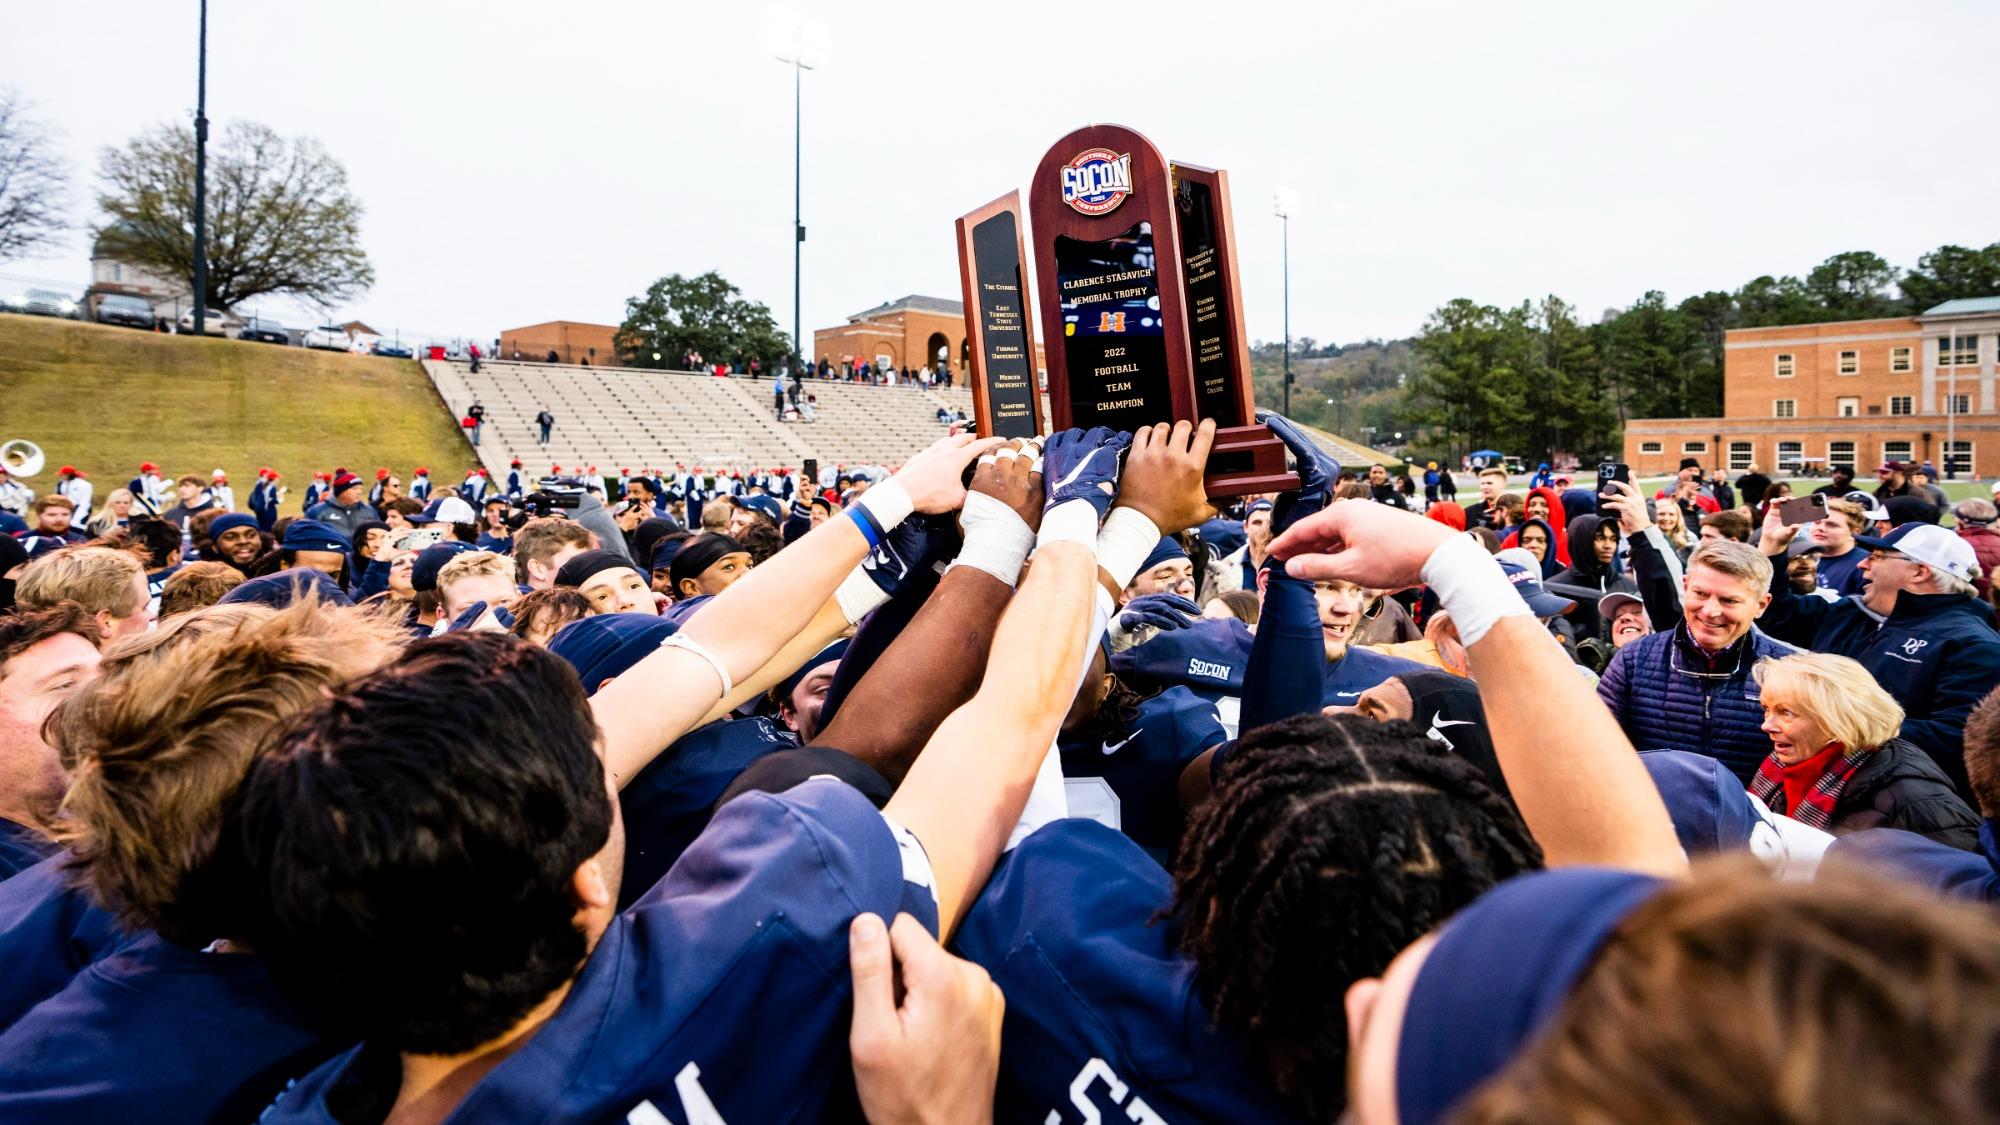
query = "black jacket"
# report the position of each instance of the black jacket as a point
(1900, 787)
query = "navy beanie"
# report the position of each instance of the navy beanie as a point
(607, 645)
(584, 564)
(230, 520)
(1210, 654)
(307, 535)
(430, 560)
(287, 586)
(832, 652)
(1167, 550)
(1500, 971)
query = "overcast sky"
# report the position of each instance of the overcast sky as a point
(529, 162)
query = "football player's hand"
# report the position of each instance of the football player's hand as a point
(1163, 475)
(935, 1056)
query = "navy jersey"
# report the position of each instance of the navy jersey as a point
(722, 995)
(1359, 669)
(1918, 859)
(668, 804)
(21, 847)
(1144, 767)
(1843, 575)
(157, 1033)
(49, 930)
(1103, 1020)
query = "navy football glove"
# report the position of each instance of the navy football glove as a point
(1317, 474)
(911, 553)
(1158, 611)
(1083, 465)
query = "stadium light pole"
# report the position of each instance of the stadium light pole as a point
(799, 67)
(201, 178)
(1281, 207)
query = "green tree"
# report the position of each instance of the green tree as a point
(1642, 349)
(1775, 300)
(280, 218)
(1575, 415)
(1465, 389)
(1950, 272)
(706, 314)
(1853, 286)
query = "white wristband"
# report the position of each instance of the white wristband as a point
(683, 641)
(997, 539)
(857, 594)
(1470, 585)
(1127, 537)
(1072, 521)
(889, 502)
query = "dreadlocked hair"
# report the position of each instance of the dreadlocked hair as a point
(1330, 846)
(1114, 717)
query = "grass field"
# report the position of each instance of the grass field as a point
(105, 399)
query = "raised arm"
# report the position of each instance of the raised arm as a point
(937, 661)
(1580, 787)
(1655, 569)
(734, 637)
(1790, 618)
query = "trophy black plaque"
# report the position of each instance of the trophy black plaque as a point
(999, 321)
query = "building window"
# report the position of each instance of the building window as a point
(1850, 363)
(1791, 455)
(1961, 351)
(1651, 447)
(1958, 456)
(1839, 453)
(1689, 448)
(1785, 408)
(1899, 360)
(1957, 404)
(1741, 454)
(1895, 451)
(1848, 407)
(1785, 365)
(1900, 404)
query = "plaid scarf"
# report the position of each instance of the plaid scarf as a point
(1817, 809)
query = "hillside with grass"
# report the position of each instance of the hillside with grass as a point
(105, 399)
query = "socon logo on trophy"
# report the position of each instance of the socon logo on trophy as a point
(1097, 181)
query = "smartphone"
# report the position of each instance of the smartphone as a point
(1803, 509)
(417, 538)
(1608, 471)
(811, 474)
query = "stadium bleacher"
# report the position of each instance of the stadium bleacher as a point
(618, 417)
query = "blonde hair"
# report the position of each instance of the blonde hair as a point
(106, 519)
(196, 586)
(161, 739)
(1835, 692)
(473, 564)
(1856, 522)
(97, 578)
(1738, 560)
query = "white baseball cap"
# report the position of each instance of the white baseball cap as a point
(1928, 544)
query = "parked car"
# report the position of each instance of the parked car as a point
(212, 323)
(43, 302)
(268, 331)
(393, 351)
(327, 338)
(117, 308)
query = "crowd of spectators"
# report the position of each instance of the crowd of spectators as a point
(1022, 781)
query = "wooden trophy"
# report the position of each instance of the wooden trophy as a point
(999, 320)
(1126, 262)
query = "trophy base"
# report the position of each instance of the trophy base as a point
(1246, 460)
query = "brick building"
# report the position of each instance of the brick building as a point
(573, 342)
(902, 333)
(1805, 398)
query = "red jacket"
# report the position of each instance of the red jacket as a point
(1986, 547)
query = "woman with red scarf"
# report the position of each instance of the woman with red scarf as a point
(1836, 763)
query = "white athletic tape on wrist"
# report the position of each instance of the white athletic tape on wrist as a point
(889, 502)
(1072, 521)
(857, 594)
(1470, 585)
(683, 641)
(1124, 541)
(997, 539)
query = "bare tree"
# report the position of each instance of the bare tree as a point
(34, 184)
(280, 218)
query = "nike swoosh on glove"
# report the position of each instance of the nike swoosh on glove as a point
(1317, 474)
(912, 551)
(1083, 465)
